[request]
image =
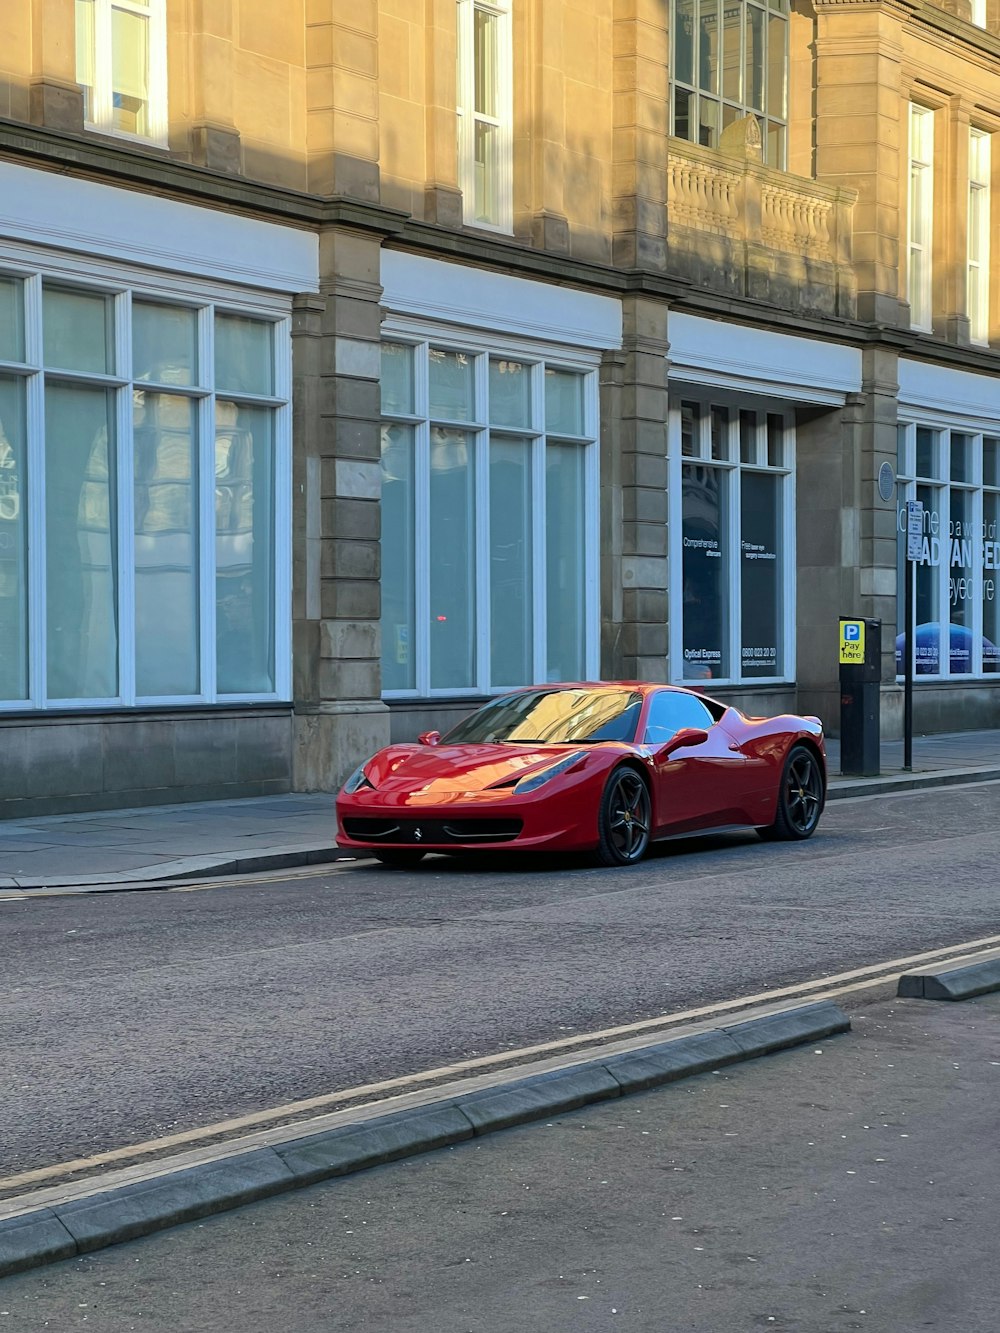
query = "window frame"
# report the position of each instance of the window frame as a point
(735, 468)
(769, 9)
(978, 268)
(920, 198)
(418, 336)
(468, 118)
(102, 119)
(121, 289)
(907, 482)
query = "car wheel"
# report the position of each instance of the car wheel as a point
(624, 819)
(402, 858)
(800, 797)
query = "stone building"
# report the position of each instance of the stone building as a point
(360, 361)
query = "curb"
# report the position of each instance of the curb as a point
(844, 788)
(54, 1228)
(962, 982)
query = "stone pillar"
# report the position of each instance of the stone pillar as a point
(951, 222)
(339, 717)
(442, 196)
(641, 119)
(55, 98)
(846, 545)
(342, 100)
(634, 565)
(540, 142)
(861, 127)
(203, 91)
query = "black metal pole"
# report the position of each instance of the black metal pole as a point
(910, 650)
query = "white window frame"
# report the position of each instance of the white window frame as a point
(920, 182)
(103, 112)
(978, 257)
(735, 468)
(907, 482)
(978, 15)
(121, 289)
(468, 118)
(420, 338)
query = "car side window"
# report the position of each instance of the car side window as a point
(670, 713)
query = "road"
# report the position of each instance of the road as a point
(125, 1017)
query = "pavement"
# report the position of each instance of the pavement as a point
(846, 1184)
(111, 848)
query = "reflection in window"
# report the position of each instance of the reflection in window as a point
(452, 552)
(13, 543)
(80, 544)
(728, 60)
(244, 549)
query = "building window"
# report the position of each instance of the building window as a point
(979, 237)
(485, 113)
(489, 570)
(144, 449)
(732, 575)
(921, 216)
(729, 60)
(955, 474)
(121, 66)
(978, 15)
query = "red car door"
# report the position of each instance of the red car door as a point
(703, 785)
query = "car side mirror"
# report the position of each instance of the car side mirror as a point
(429, 737)
(684, 739)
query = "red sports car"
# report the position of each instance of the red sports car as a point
(596, 767)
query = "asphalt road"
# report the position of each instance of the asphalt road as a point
(124, 1017)
(849, 1186)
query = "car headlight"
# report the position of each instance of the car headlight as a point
(357, 781)
(537, 780)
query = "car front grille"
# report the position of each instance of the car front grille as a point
(432, 832)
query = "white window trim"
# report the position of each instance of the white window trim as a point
(978, 271)
(920, 197)
(155, 12)
(907, 484)
(192, 296)
(978, 15)
(468, 117)
(735, 468)
(420, 337)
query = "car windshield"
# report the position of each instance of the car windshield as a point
(552, 717)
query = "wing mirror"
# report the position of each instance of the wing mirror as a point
(684, 739)
(429, 737)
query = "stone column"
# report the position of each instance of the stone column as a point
(339, 716)
(55, 99)
(951, 222)
(540, 142)
(634, 566)
(442, 197)
(201, 75)
(641, 119)
(342, 122)
(846, 545)
(860, 126)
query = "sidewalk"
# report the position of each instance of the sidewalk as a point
(110, 848)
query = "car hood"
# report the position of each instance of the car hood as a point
(458, 768)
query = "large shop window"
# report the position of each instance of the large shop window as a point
(955, 474)
(733, 504)
(729, 60)
(121, 66)
(488, 520)
(143, 451)
(485, 113)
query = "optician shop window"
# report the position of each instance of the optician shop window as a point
(732, 571)
(143, 447)
(489, 563)
(955, 474)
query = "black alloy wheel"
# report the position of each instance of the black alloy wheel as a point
(800, 797)
(400, 857)
(624, 820)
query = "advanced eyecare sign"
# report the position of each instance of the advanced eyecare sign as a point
(852, 642)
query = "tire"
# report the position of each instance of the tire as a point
(800, 797)
(624, 820)
(400, 857)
